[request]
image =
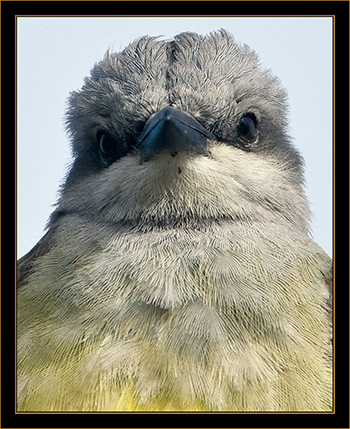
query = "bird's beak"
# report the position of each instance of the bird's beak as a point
(172, 130)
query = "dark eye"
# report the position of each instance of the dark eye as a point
(247, 128)
(108, 147)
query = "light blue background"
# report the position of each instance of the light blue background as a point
(55, 54)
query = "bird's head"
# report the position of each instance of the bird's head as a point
(182, 132)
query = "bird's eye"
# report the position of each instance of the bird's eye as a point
(247, 128)
(107, 147)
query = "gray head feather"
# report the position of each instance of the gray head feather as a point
(216, 81)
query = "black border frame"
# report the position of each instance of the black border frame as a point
(340, 11)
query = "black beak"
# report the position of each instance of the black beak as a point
(172, 130)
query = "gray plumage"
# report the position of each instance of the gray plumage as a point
(174, 278)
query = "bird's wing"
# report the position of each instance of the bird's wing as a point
(24, 265)
(329, 284)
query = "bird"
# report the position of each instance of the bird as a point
(178, 272)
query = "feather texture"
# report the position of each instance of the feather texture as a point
(186, 282)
